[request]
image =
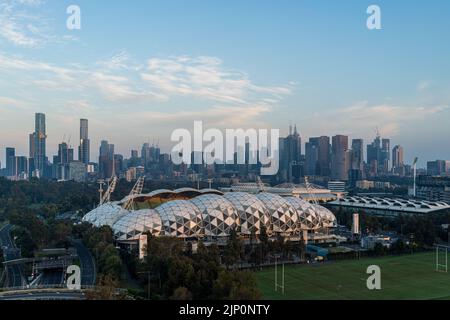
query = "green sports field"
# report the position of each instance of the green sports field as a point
(402, 277)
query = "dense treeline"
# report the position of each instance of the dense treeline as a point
(177, 273)
(426, 229)
(100, 242)
(45, 198)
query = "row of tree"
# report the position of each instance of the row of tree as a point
(172, 270)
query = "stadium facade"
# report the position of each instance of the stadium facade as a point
(210, 215)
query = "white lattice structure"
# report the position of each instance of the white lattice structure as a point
(253, 214)
(283, 216)
(181, 218)
(135, 223)
(308, 217)
(190, 213)
(219, 215)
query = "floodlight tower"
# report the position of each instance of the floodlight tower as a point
(415, 175)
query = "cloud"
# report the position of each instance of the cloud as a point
(120, 80)
(361, 118)
(206, 78)
(21, 25)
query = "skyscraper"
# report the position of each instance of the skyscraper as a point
(10, 162)
(398, 165)
(40, 138)
(291, 156)
(84, 148)
(312, 157)
(106, 160)
(385, 156)
(339, 158)
(397, 156)
(358, 154)
(324, 153)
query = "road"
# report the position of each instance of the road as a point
(55, 295)
(88, 270)
(14, 273)
(52, 277)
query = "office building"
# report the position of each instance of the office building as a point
(340, 158)
(84, 148)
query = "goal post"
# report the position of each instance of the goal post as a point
(442, 258)
(279, 285)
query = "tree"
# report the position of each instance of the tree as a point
(106, 290)
(238, 285)
(181, 293)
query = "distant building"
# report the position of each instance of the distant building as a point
(369, 242)
(84, 148)
(312, 157)
(106, 160)
(291, 164)
(398, 164)
(336, 186)
(340, 158)
(39, 144)
(433, 188)
(438, 168)
(77, 171)
(10, 162)
(365, 184)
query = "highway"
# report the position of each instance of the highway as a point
(10, 252)
(88, 270)
(43, 295)
(52, 278)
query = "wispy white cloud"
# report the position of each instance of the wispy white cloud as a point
(206, 78)
(362, 118)
(23, 24)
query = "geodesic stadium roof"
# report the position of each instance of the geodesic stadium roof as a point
(211, 214)
(284, 217)
(309, 219)
(253, 215)
(136, 223)
(181, 218)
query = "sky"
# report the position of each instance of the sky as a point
(140, 69)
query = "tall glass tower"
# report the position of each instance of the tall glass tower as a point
(40, 143)
(84, 148)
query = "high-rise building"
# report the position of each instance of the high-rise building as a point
(397, 157)
(385, 155)
(312, 157)
(10, 162)
(324, 156)
(437, 168)
(378, 156)
(106, 160)
(291, 156)
(358, 154)
(84, 148)
(340, 158)
(21, 165)
(40, 137)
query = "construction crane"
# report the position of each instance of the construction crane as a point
(137, 189)
(111, 187)
(261, 186)
(309, 189)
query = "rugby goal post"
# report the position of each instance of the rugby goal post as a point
(442, 258)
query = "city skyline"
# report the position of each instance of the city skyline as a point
(92, 154)
(310, 63)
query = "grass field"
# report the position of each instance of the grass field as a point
(402, 277)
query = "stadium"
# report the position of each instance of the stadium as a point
(209, 215)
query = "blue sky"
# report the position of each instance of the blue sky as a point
(139, 69)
